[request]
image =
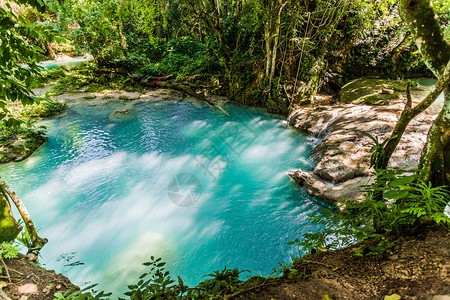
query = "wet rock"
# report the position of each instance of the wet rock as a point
(120, 115)
(123, 111)
(129, 96)
(117, 95)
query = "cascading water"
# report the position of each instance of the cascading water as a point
(171, 179)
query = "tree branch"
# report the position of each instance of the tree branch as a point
(410, 113)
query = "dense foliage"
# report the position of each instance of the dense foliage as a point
(266, 53)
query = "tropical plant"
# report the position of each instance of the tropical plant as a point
(87, 293)
(408, 204)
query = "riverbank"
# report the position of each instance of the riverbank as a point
(26, 280)
(416, 267)
(18, 141)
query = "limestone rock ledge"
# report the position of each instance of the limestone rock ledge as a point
(343, 156)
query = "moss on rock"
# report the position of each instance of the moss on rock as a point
(20, 144)
(369, 91)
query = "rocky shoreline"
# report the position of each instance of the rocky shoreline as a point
(343, 158)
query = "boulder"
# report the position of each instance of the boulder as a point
(327, 191)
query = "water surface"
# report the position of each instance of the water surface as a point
(104, 190)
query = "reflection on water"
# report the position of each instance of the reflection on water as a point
(99, 188)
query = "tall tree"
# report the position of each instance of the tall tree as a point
(272, 24)
(435, 50)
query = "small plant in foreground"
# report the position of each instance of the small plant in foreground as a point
(157, 284)
(7, 250)
(407, 204)
(24, 237)
(87, 293)
(378, 148)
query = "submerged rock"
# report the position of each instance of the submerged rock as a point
(120, 115)
(123, 111)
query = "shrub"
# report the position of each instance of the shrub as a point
(43, 107)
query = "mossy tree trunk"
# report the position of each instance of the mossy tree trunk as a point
(425, 28)
(123, 41)
(36, 241)
(410, 113)
(435, 50)
(435, 160)
(9, 228)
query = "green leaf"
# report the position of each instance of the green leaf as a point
(392, 297)
(180, 281)
(396, 194)
(405, 180)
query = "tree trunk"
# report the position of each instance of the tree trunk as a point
(275, 41)
(410, 113)
(435, 160)
(435, 50)
(37, 242)
(268, 40)
(9, 229)
(423, 24)
(123, 41)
